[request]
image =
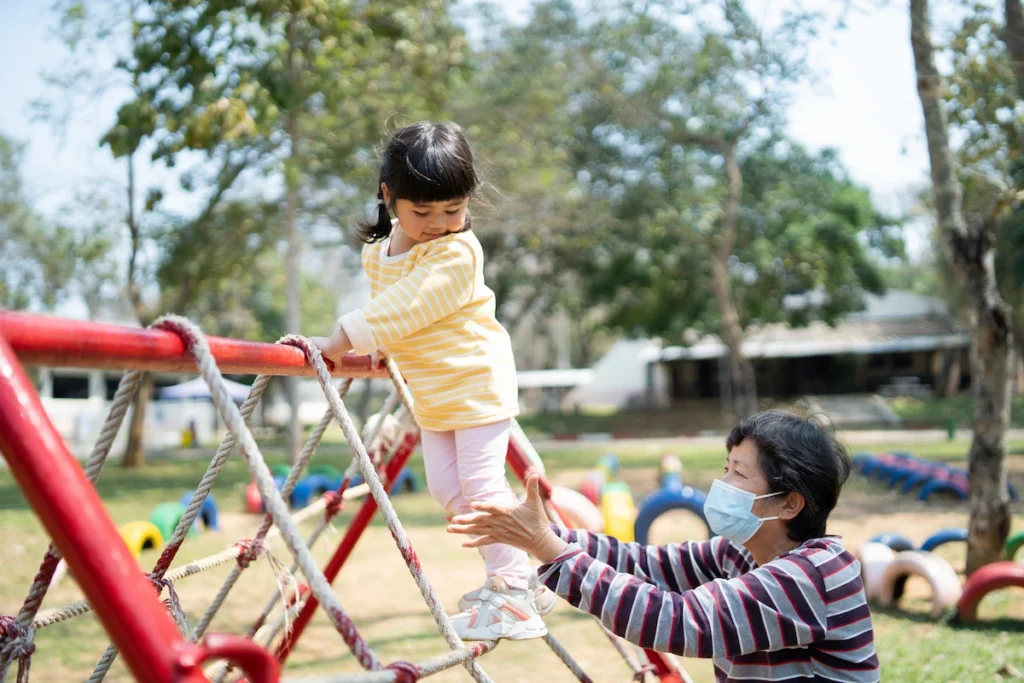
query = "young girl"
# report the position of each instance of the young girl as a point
(432, 312)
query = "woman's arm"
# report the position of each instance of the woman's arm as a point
(673, 567)
(779, 605)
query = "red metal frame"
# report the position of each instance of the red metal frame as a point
(69, 507)
(42, 340)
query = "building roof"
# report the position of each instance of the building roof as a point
(897, 322)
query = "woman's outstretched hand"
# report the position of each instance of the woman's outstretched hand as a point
(523, 526)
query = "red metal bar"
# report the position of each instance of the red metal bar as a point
(70, 509)
(44, 340)
(348, 543)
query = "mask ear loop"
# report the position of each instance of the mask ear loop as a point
(768, 495)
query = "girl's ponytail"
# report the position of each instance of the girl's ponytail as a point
(370, 231)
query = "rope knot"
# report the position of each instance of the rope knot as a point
(335, 502)
(173, 604)
(405, 672)
(251, 549)
(641, 674)
(16, 643)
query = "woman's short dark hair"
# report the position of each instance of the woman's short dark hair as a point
(797, 454)
(425, 162)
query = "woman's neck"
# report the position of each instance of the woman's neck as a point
(767, 550)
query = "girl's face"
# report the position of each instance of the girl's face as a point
(425, 222)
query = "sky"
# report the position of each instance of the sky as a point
(865, 106)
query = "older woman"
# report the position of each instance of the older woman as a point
(770, 597)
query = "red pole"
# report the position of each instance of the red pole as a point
(70, 509)
(44, 340)
(348, 543)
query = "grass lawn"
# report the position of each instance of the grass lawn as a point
(382, 599)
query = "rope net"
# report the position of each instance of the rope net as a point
(289, 609)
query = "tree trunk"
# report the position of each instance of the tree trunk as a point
(1014, 38)
(134, 453)
(293, 322)
(971, 249)
(741, 370)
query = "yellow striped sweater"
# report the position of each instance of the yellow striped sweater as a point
(431, 311)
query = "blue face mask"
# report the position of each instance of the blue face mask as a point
(729, 511)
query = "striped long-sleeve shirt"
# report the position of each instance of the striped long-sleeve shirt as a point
(431, 311)
(802, 616)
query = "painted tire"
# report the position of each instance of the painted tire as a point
(874, 559)
(407, 481)
(302, 492)
(139, 536)
(325, 471)
(208, 513)
(939, 574)
(578, 511)
(253, 499)
(281, 471)
(861, 458)
(915, 480)
(672, 480)
(945, 486)
(991, 577)
(1013, 544)
(666, 500)
(593, 487)
(320, 484)
(166, 516)
(618, 512)
(609, 462)
(898, 542)
(940, 538)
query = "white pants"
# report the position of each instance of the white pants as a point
(468, 465)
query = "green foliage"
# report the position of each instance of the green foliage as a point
(658, 92)
(43, 261)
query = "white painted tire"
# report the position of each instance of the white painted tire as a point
(874, 558)
(945, 584)
(579, 512)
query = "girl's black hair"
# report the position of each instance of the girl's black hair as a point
(425, 162)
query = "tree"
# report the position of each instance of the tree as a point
(163, 269)
(683, 138)
(43, 261)
(970, 242)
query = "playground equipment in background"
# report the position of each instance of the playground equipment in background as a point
(166, 516)
(939, 574)
(889, 559)
(903, 470)
(139, 536)
(207, 513)
(320, 480)
(606, 469)
(618, 510)
(989, 578)
(1014, 543)
(673, 495)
